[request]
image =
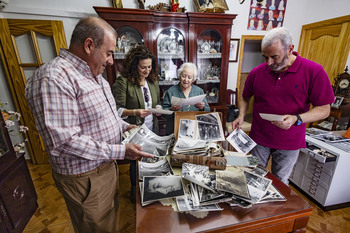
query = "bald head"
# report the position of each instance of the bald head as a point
(91, 27)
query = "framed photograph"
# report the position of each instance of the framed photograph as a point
(234, 46)
(221, 4)
(210, 5)
(337, 101)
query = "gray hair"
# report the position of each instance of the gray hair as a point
(189, 65)
(91, 27)
(276, 34)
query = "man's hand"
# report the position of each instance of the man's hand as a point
(142, 113)
(200, 105)
(134, 151)
(130, 127)
(287, 122)
(237, 124)
(176, 107)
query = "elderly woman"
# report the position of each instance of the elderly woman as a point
(136, 90)
(187, 74)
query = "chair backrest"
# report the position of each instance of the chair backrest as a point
(232, 97)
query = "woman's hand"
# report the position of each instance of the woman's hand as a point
(142, 113)
(200, 106)
(176, 107)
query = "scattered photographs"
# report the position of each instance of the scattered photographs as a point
(241, 141)
(197, 174)
(257, 186)
(161, 187)
(232, 182)
(316, 131)
(331, 138)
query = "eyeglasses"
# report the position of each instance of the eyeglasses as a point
(146, 96)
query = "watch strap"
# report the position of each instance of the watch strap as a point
(299, 120)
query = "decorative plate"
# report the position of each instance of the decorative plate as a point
(205, 47)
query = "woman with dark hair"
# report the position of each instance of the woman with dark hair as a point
(135, 90)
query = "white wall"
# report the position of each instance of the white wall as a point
(298, 13)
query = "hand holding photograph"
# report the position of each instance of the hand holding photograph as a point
(241, 141)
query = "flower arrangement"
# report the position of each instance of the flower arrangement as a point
(10, 118)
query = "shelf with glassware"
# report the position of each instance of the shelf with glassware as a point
(170, 54)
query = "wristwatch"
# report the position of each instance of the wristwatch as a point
(299, 121)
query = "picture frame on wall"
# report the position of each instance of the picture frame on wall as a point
(234, 47)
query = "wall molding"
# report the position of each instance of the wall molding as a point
(47, 12)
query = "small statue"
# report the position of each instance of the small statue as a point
(174, 5)
(141, 4)
(117, 3)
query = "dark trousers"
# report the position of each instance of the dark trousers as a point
(91, 198)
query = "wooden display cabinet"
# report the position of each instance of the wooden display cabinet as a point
(175, 38)
(18, 199)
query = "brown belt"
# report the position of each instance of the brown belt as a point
(97, 169)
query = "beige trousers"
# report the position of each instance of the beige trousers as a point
(91, 198)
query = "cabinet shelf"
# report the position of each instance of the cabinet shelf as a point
(171, 55)
(168, 82)
(208, 55)
(205, 81)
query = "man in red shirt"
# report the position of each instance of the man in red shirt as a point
(286, 84)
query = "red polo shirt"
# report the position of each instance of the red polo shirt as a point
(291, 92)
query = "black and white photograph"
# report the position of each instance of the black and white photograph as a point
(161, 187)
(160, 168)
(253, 160)
(257, 186)
(260, 171)
(151, 143)
(338, 100)
(232, 182)
(197, 174)
(241, 141)
(187, 128)
(272, 194)
(210, 127)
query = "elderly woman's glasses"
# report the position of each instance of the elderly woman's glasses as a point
(146, 96)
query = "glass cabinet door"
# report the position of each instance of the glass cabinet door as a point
(171, 55)
(209, 47)
(127, 38)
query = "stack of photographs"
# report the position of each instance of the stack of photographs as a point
(196, 147)
(151, 143)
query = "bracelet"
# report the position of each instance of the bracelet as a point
(134, 112)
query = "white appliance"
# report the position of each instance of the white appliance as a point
(322, 171)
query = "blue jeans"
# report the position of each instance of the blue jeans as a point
(282, 160)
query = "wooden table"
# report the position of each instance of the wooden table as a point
(287, 216)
